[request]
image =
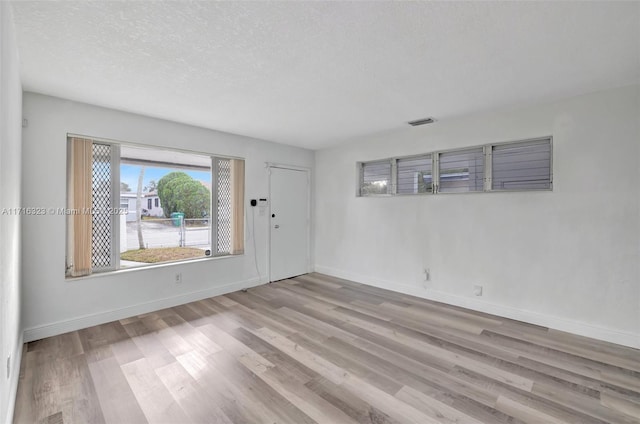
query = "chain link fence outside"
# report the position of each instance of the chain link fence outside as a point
(163, 232)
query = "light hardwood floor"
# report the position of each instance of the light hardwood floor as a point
(321, 349)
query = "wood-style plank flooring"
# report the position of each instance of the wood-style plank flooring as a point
(317, 349)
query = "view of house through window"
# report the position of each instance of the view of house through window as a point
(151, 205)
(179, 226)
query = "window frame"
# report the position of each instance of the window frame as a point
(433, 174)
(489, 162)
(456, 150)
(487, 150)
(115, 201)
(392, 178)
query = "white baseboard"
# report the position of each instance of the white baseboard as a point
(60, 327)
(16, 361)
(558, 323)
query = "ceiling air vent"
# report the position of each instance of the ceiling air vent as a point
(421, 122)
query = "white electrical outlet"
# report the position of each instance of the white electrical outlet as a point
(477, 290)
(178, 278)
(427, 274)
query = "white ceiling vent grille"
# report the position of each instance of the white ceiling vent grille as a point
(422, 121)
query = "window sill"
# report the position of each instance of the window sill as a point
(447, 193)
(151, 266)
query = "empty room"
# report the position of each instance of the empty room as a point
(319, 212)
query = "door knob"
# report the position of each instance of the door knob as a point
(276, 226)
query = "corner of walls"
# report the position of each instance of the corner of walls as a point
(11, 335)
(14, 377)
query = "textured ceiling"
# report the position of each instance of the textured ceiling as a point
(313, 74)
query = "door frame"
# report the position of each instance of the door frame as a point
(269, 166)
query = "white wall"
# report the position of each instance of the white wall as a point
(53, 304)
(10, 177)
(567, 259)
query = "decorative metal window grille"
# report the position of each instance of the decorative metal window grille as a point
(101, 236)
(223, 186)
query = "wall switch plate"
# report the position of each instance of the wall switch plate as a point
(477, 290)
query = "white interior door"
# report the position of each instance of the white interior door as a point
(289, 221)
